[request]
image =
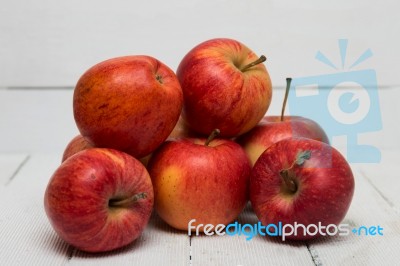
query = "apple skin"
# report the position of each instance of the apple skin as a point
(271, 130)
(77, 144)
(325, 185)
(181, 130)
(217, 94)
(195, 181)
(78, 195)
(128, 103)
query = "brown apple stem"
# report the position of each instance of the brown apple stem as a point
(287, 174)
(258, 61)
(288, 180)
(288, 82)
(212, 136)
(128, 201)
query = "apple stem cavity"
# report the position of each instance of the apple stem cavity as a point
(288, 82)
(287, 174)
(128, 201)
(212, 136)
(258, 61)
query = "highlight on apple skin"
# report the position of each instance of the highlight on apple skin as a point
(99, 199)
(225, 86)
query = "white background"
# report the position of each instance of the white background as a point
(51, 43)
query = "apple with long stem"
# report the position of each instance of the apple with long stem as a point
(201, 179)
(225, 86)
(272, 129)
(99, 199)
(303, 182)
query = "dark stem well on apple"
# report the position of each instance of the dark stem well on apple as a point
(212, 136)
(256, 62)
(288, 82)
(118, 202)
(287, 173)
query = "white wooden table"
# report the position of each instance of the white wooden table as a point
(37, 123)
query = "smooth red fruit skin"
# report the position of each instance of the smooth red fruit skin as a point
(217, 94)
(128, 103)
(77, 196)
(77, 144)
(194, 181)
(325, 185)
(271, 130)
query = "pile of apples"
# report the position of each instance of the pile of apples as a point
(190, 145)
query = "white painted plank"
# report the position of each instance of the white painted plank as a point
(26, 236)
(368, 208)
(10, 165)
(37, 121)
(55, 48)
(385, 177)
(158, 245)
(236, 250)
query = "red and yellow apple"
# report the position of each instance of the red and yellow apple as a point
(205, 180)
(225, 86)
(99, 199)
(301, 181)
(128, 103)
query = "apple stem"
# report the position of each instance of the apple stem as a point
(258, 61)
(289, 182)
(286, 174)
(128, 201)
(288, 82)
(212, 136)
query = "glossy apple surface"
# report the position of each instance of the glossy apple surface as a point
(195, 181)
(99, 199)
(271, 130)
(219, 92)
(288, 188)
(129, 103)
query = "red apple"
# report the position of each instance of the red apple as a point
(225, 86)
(128, 103)
(181, 130)
(99, 199)
(200, 179)
(77, 144)
(301, 181)
(272, 129)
